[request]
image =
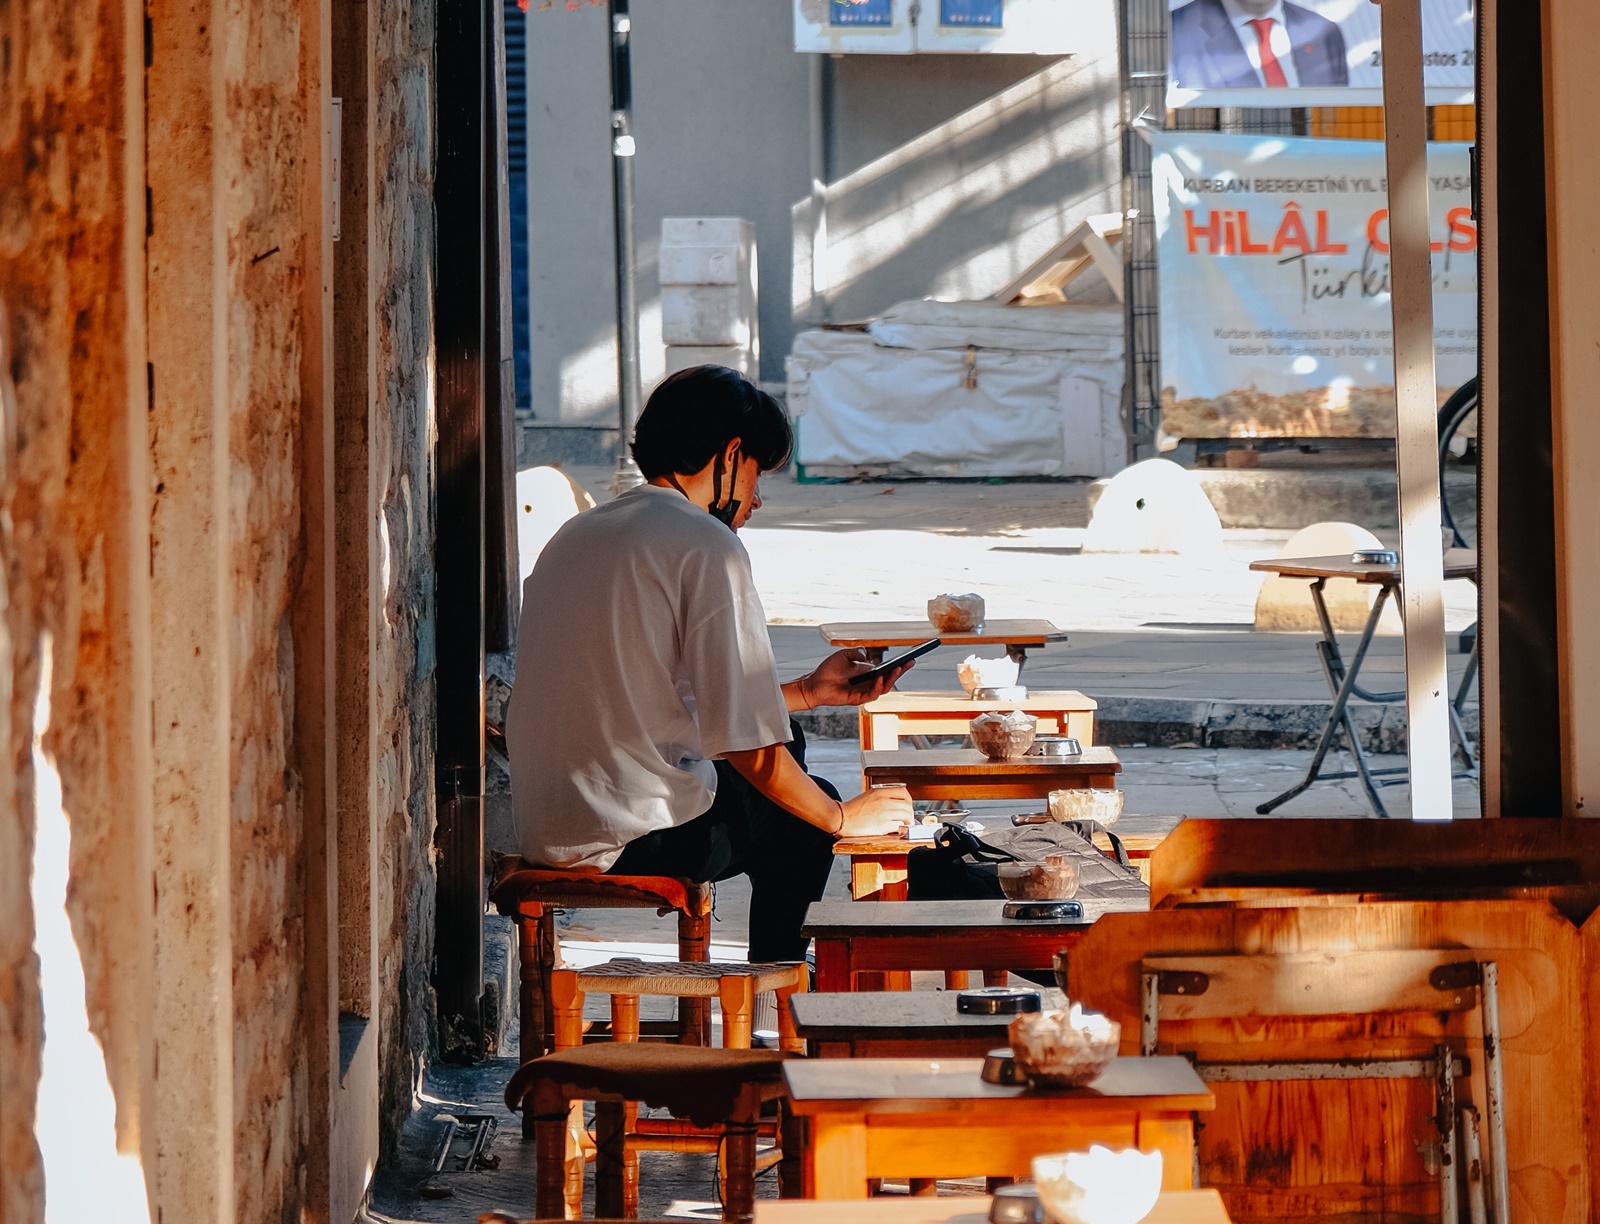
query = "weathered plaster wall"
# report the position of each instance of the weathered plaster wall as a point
(65, 544)
(139, 472)
(263, 155)
(402, 260)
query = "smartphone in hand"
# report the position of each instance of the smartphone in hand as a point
(889, 666)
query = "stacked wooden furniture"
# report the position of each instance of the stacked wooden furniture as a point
(1308, 943)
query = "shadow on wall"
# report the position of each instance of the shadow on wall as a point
(962, 208)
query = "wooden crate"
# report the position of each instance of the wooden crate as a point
(1308, 1150)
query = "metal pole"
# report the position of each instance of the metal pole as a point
(820, 77)
(1416, 408)
(622, 148)
(1494, 1085)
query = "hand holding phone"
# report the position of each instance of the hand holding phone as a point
(890, 666)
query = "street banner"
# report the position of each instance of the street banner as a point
(1274, 268)
(1314, 53)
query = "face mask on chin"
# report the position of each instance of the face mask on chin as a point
(724, 512)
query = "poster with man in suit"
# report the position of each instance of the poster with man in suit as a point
(1277, 53)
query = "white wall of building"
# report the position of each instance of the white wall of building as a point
(949, 174)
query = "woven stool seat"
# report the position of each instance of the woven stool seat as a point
(625, 975)
(693, 1082)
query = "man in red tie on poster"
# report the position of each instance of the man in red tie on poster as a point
(1254, 44)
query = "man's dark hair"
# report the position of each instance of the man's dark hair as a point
(696, 412)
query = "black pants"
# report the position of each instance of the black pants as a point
(745, 833)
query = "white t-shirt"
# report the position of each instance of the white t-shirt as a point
(642, 655)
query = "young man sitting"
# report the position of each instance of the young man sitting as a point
(648, 730)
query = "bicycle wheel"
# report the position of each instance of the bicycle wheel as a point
(1458, 464)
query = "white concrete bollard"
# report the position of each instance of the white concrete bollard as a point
(1284, 604)
(1153, 507)
(546, 498)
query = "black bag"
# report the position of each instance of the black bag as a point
(960, 866)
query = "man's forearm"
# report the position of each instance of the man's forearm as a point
(778, 776)
(797, 696)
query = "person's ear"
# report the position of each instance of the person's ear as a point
(731, 451)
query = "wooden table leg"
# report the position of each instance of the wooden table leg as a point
(833, 966)
(1174, 1139)
(877, 877)
(836, 1157)
(957, 979)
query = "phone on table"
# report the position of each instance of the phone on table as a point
(888, 666)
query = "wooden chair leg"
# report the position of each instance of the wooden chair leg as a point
(579, 1152)
(788, 1039)
(610, 1162)
(738, 995)
(624, 1017)
(694, 944)
(957, 979)
(566, 1002)
(791, 1134)
(739, 1157)
(996, 977)
(531, 986)
(547, 1114)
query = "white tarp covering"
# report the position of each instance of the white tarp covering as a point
(1045, 400)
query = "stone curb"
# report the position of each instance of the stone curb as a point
(1288, 499)
(1159, 722)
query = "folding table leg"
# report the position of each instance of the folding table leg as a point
(1337, 718)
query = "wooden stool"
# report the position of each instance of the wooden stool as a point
(710, 1088)
(735, 986)
(530, 895)
(626, 980)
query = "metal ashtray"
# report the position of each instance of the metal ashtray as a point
(999, 1067)
(1055, 746)
(997, 1001)
(1009, 692)
(1016, 1205)
(1042, 911)
(1374, 556)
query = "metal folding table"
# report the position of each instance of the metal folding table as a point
(1342, 677)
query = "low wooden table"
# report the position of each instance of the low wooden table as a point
(899, 714)
(1173, 1207)
(1016, 636)
(912, 1118)
(965, 773)
(897, 1024)
(852, 937)
(1343, 680)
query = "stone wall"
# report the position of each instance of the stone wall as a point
(64, 544)
(164, 445)
(402, 260)
(261, 155)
